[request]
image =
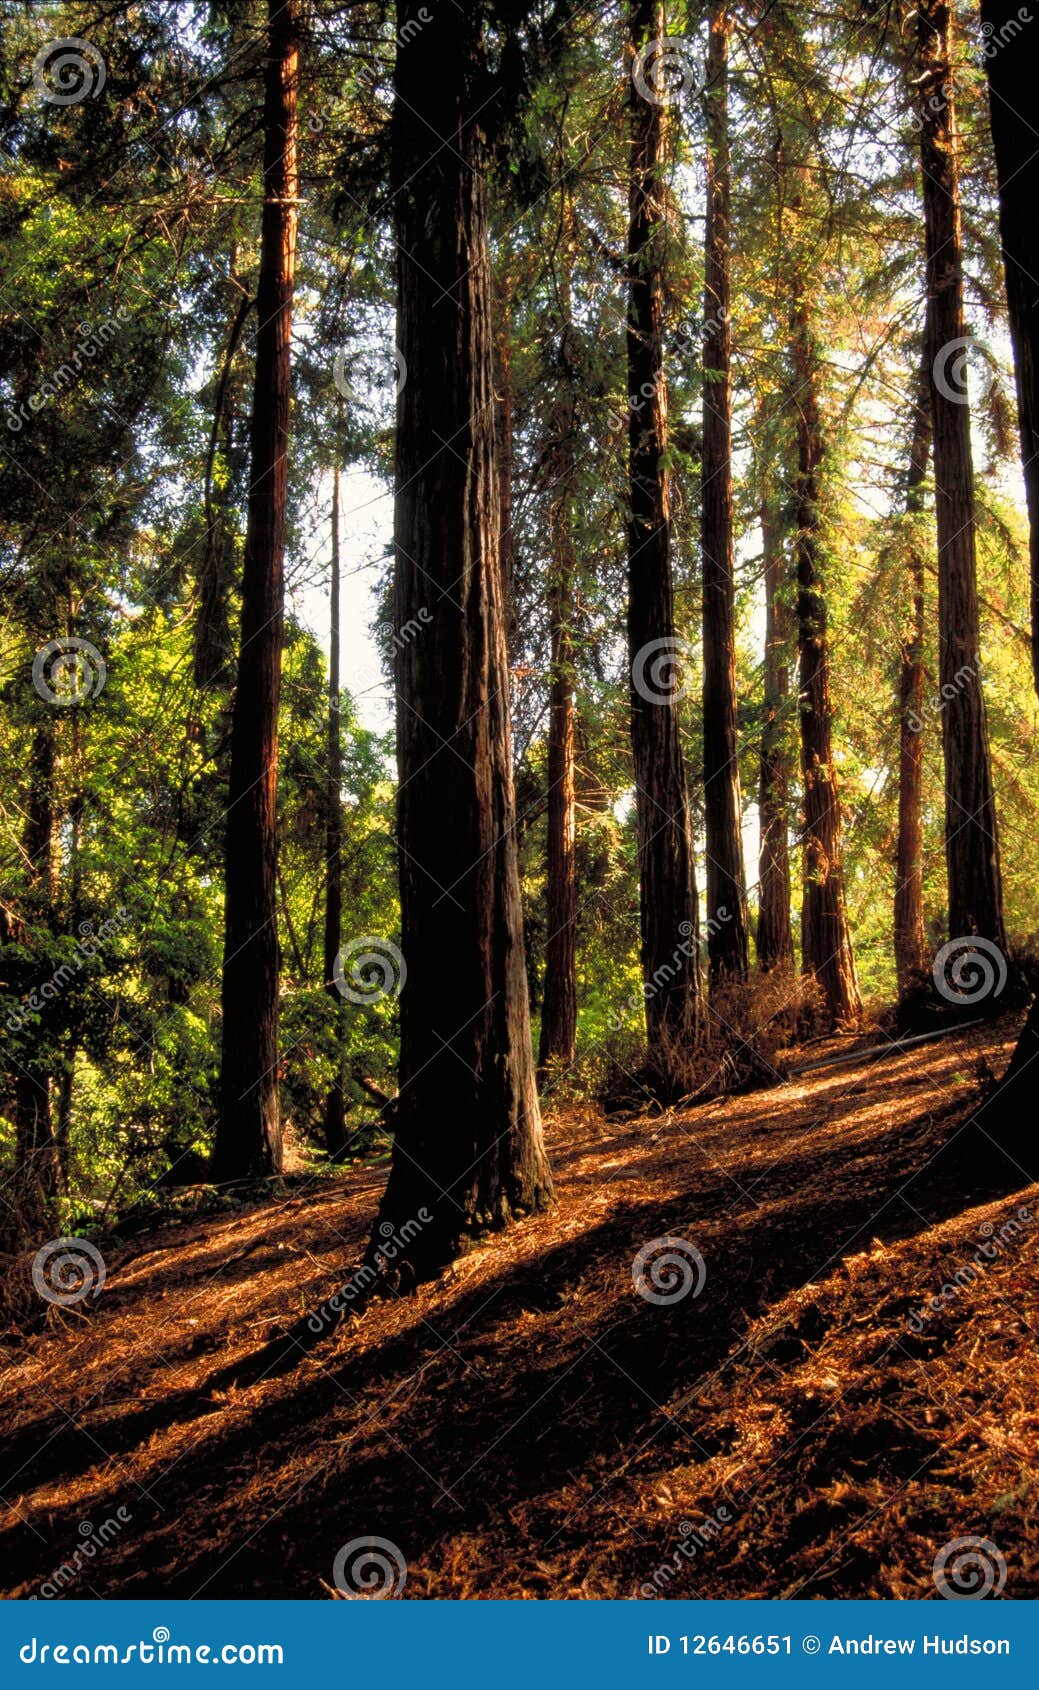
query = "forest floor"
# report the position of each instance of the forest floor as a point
(529, 1425)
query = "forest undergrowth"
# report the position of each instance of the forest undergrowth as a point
(851, 1381)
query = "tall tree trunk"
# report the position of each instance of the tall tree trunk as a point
(469, 1151)
(1011, 77)
(248, 1141)
(775, 939)
(1011, 85)
(335, 1100)
(911, 959)
(971, 840)
(727, 942)
(37, 1167)
(667, 885)
(503, 389)
(825, 938)
(559, 1006)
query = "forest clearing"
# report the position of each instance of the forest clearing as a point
(529, 1426)
(519, 865)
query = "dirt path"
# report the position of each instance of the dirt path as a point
(531, 1425)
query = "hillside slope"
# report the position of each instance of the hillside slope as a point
(530, 1424)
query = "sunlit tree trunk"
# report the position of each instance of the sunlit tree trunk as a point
(666, 868)
(971, 840)
(825, 937)
(248, 1141)
(775, 943)
(469, 1151)
(727, 942)
(911, 958)
(335, 1100)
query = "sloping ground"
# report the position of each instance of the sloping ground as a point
(531, 1425)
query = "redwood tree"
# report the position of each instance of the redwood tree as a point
(248, 1141)
(1010, 82)
(667, 891)
(469, 1151)
(971, 840)
(825, 936)
(335, 1100)
(559, 1005)
(775, 943)
(727, 944)
(911, 958)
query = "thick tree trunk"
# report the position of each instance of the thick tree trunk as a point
(775, 939)
(469, 1150)
(727, 942)
(248, 1141)
(1011, 82)
(825, 938)
(335, 1100)
(559, 1006)
(971, 840)
(911, 959)
(1011, 78)
(667, 887)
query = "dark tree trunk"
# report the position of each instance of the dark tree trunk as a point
(469, 1151)
(559, 1006)
(971, 841)
(37, 1167)
(825, 938)
(667, 886)
(503, 387)
(335, 1101)
(727, 941)
(1011, 78)
(775, 939)
(1011, 84)
(248, 1141)
(911, 959)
